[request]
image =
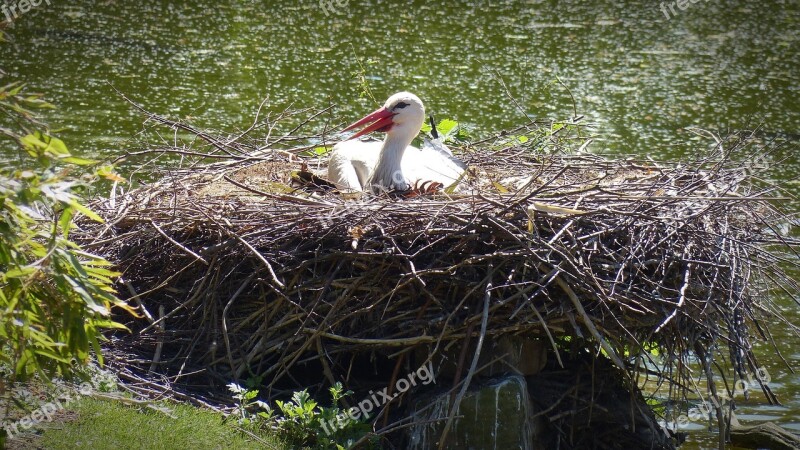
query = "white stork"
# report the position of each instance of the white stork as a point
(392, 164)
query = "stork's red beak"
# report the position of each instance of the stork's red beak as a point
(382, 121)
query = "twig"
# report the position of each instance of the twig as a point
(177, 244)
(473, 366)
(590, 325)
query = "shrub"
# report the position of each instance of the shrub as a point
(55, 298)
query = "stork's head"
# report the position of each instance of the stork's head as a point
(403, 113)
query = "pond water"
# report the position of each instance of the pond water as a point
(644, 72)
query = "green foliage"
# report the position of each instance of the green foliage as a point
(361, 78)
(55, 298)
(317, 152)
(297, 425)
(248, 408)
(450, 132)
(17, 106)
(542, 138)
(302, 422)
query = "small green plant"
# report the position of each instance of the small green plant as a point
(302, 421)
(543, 139)
(298, 425)
(450, 131)
(361, 78)
(317, 152)
(249, 409)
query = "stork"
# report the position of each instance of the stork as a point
(392, 164)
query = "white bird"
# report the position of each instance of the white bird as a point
(392, 164)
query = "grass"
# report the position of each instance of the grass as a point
(103, 424)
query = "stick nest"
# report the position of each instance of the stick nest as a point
(241, 273)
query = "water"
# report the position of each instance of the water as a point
(645, 79)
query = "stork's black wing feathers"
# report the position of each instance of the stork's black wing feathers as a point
(434, 132)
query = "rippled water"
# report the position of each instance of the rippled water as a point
(642, 77)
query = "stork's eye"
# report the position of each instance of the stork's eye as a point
(401, 105)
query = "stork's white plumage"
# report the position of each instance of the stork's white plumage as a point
(392, 164)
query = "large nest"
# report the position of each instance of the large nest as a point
(241, 274)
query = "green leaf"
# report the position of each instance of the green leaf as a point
(92, 259)
(86, 211)
(88, 298)
(452, 188)
(56, 146)
(45, 144)
(78, 161)
(52, 355)
(500, 188)
(110, 324)
(446, 127)
(16, 90)
(65, 221)
(100, 272)
(96, 345)
(9, 86)
(31, 141)
(21, 272)
(52, 310)
(108, 173)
